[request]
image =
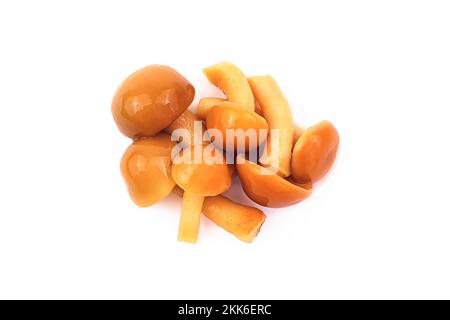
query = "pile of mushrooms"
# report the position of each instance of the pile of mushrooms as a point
(152, 104)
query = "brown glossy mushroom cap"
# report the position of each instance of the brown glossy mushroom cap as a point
(269, 189)
(314, 152)
(150, 99)
(229, 115)
(145, 167)
(207, 178)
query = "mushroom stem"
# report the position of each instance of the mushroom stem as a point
(191, 211)
(276, 111)
(298, 131)
(232, 81)
(242, 221)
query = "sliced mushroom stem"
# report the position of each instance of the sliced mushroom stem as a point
(298, 131)
(233, 82)
(276, 111)
(191, 211)
(242, 221)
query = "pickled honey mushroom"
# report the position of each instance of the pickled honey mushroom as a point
(151, 107)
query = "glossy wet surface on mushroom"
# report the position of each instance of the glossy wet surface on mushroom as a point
(314, 152)
(197, 153)
(244, 123)
(207, 178)
(267, 188)
(150, 99)
(146, 169)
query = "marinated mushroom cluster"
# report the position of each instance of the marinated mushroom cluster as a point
(251, 134)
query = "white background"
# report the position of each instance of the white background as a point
(378, 226)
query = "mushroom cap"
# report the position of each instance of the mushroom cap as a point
(229, 115)
(267, 188)
(145, 167)
(204, 104)
(150, 99)
(314, 152)
(205, 178)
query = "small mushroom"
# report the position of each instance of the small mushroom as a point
(149, 100)
(275, 109)
(232, 81)
(314, 152)
(198, 179)
(267, 188)
(205, 104)
(232, 116)
(145, 167)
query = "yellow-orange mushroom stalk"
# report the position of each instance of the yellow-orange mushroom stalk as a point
(275, 109)
(233, 82)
